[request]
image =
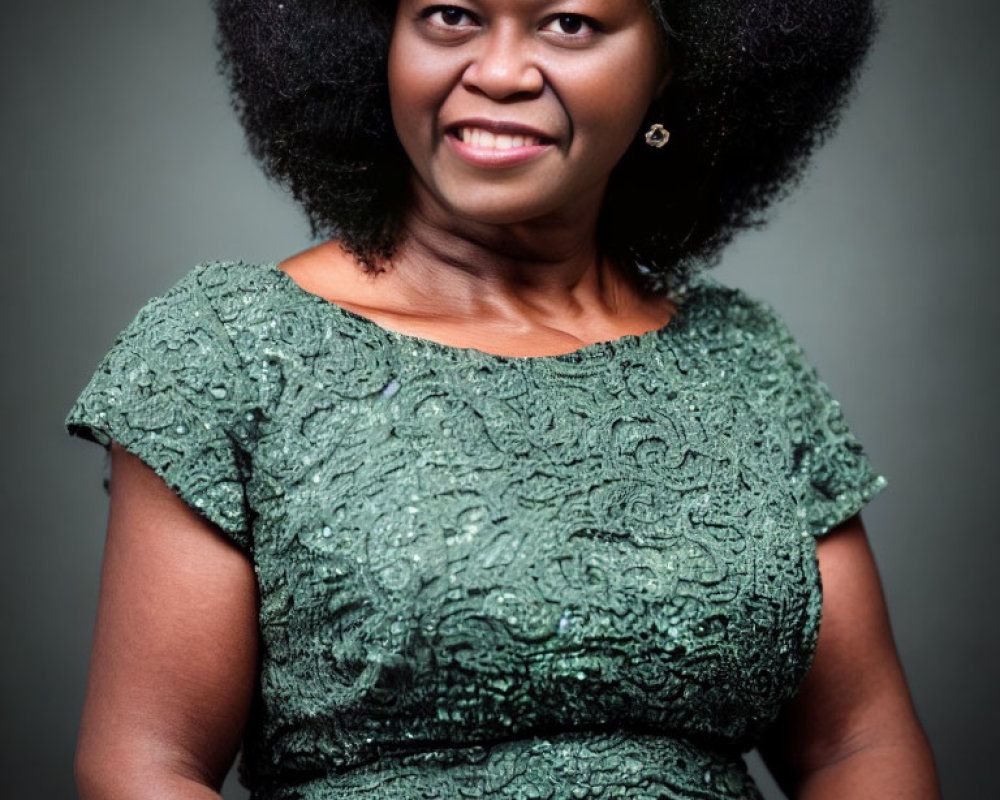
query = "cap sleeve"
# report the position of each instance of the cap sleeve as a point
(834, 476)
(170, 392)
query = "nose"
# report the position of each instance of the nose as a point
(503, 67)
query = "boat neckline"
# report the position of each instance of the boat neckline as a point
(600, 349)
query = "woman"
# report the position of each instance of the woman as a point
(488, 495)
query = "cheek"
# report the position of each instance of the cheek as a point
(607, 119)
(612, 98)
(417, 88)
(404, 87)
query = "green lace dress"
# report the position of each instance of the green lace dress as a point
(590, 575)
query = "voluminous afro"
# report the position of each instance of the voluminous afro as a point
(757, 85)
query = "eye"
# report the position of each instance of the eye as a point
(448, 16)
(571, 25)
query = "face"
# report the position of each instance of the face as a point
(515, 110)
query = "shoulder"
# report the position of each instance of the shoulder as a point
(201, 289)
(727, 319)
(225, 287)
(709, 296)
(745, 337)
(184, 326)
(174, 391)
(207, 310)
(234, 288)
(178, 355)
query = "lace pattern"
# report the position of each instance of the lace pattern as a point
(607, 555)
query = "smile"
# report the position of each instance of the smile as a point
(487, 143)
(487, 140)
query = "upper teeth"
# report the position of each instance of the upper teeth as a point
(490, 141)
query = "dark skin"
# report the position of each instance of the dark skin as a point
(502, 259)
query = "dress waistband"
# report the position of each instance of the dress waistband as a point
(568, 766)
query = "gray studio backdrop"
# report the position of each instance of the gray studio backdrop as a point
(122, 167)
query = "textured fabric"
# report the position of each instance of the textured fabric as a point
(581, 576)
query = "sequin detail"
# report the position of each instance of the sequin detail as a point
(579, 576)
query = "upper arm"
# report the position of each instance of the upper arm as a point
(855, 695)
(175, 648)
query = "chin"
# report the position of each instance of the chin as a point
(493, 206)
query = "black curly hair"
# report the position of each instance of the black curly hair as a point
(757, 85)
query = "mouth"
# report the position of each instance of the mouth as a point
(497, 136)
(487, 140)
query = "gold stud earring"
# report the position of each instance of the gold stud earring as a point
(657, 136)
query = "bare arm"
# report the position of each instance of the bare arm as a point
(852, 733)
(175, 649)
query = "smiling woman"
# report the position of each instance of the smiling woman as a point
(753, 88)
(489, 494)
(464, 85)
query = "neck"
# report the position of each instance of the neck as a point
(544, 269)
